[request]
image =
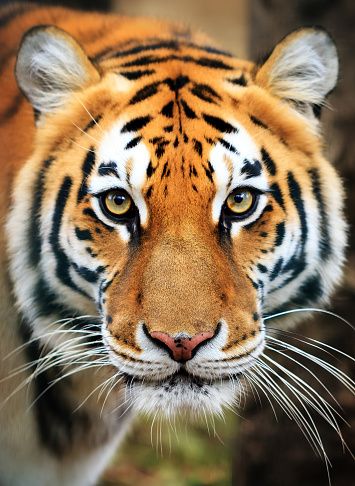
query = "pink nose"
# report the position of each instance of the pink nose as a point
(181, 348)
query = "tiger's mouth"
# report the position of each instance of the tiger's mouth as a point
(182, 393)
(180, 378)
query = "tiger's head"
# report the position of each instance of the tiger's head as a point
(181, 195)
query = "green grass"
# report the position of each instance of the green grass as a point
(190, 455)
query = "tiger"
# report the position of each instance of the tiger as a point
(161, 199)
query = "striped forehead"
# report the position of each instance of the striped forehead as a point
(236, 160)
(121, 162)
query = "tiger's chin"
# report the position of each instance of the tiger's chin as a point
(183, 394)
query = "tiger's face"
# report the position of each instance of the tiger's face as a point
(182, 204)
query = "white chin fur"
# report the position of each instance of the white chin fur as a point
(170, 399)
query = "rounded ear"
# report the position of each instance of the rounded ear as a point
(50, 66)
(302, 68)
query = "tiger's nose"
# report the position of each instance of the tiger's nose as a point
(181, 347)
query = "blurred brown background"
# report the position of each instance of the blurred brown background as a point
(257, 450)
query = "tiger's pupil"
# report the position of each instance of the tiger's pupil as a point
(117, 203)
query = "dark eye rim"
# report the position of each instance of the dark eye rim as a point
(230, 215)
(132, 213)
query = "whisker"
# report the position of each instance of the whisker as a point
(88, 112)
(309, 309)
(326, 410)
(85, 133)
(305, 368)
(305, 422)
(337, 373)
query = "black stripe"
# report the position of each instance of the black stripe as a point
(193, 171)
(168, 109)
(86, 169)
(149, 192)
(150, 169)
(297, 263)
(258, 122)
(212, 63)
(145, 93)
(219, 124)
(62, 261)
(297, 198)
(87, 274)
(262, 268)
(133, 75)
(47, 303)
(251, 169)
(228, 146)
(93, 122)
(277, 195)
(210, 50)
(205, 93)
(198, 147)
(109, 54)
(268, 162)
(83, 234)
(34, 228)
(204, 61)
(160, 150)
(325, 247)
(188, 111)
(144, 61)
(173, 45)
(164, 171)
(177, 83)
(133, 143)
(209, 172)
(156, 140)
(136, 124)
(280, 233)
(310, 291)
(241, 81)
(109, 168)
(276, 270)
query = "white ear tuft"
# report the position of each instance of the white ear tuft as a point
(50, 66)
(302, 68)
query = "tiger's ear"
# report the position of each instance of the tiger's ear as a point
(50, 66)
(302, 69)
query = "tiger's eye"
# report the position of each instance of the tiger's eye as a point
(117, 203)
(240, 202)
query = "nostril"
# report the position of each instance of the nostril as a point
(181, 347)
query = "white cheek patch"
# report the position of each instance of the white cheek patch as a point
(128, 162)
(228, 159)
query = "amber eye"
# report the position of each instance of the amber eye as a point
(241, 202)
(116, 203)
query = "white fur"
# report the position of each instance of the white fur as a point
(49, 69)
(306, 69)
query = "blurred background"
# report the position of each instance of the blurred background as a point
(254, 449)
